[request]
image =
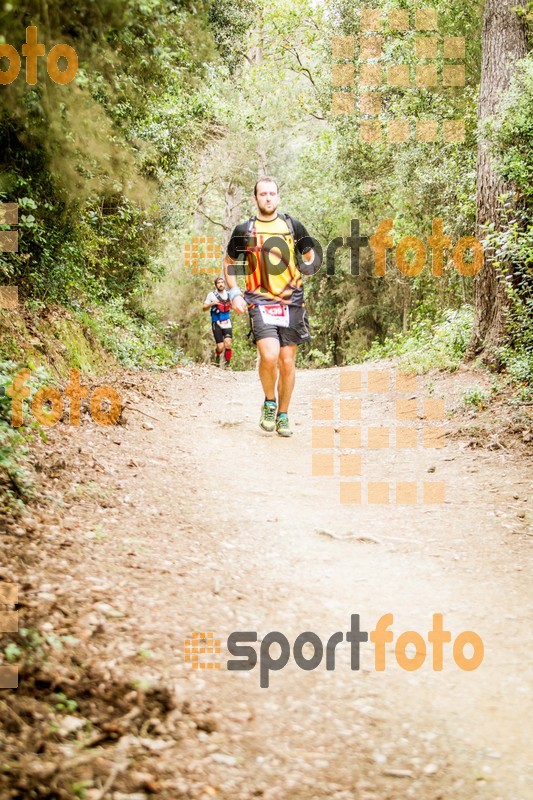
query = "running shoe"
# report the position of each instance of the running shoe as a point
(282, 425)
(268, 416)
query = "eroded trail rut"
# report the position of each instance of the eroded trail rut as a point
(200, 522)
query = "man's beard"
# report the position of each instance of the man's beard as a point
(267, 211)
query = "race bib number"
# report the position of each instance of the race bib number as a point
(224, 323)
(275, 315)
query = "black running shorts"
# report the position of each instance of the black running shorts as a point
(298, 331)
(221, 333)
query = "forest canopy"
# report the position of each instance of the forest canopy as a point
(175, 111)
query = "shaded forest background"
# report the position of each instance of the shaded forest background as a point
(176, 110)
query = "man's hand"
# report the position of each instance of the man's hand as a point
(239, 305)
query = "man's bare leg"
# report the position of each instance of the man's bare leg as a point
(287, 376)
(268, 365)
(219, 347)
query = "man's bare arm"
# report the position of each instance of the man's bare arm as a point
(309, 259)
(238, 303)
(229, 275)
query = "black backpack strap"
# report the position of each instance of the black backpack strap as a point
(250, 335)
(290, 224)
(242, 253)
(249, 234)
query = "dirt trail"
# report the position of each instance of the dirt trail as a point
(199, 521)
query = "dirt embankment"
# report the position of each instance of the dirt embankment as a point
(186, 517)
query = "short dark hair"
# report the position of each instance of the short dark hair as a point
(268, 180)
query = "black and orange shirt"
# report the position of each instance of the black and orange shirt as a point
(272, 272)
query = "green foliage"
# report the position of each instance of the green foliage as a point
(428, 345)
(102, 167)
(244, 352)
(179, 298)
(518, 361)
(230, 21)
(514, 244)
(138, 342)
(476, 397)
(512, 131)
(328, 177)
(31, 643)
(163, 133)
(15, 481)
(31, 646)
(119, 239)
(80, 788)
(87, 162)
(413, 182)
(12, 653)
(49, 260)
(63, 704)
(511, 134)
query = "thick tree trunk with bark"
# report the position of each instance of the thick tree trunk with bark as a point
(504, 42)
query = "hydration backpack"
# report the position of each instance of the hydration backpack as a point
(290, 225)
(225, 303)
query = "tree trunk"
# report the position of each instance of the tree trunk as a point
(198, 219)
(232, 210)
(504, 42)
(256, 56)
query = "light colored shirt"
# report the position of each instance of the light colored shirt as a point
(212, 298)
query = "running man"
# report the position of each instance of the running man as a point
(271, 244)
(219, 304)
